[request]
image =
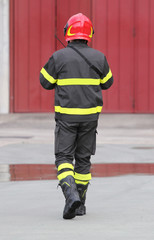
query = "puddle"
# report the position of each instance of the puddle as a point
(24, 172)
(143, 148)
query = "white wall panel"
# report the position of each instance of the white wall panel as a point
(4, 56)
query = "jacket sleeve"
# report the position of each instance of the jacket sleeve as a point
(48, 76)
(107, 78)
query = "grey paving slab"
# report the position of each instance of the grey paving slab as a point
(117, 208)
(29, 138)
(27, 153)
(31, 153)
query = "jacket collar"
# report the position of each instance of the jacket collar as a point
(78, 44)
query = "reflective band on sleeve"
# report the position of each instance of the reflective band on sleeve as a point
(47, 76)
(82, 177)
(65, 165)
(78, 111)
(78, 81)
(107, 77)
(81, 182)
(65, 174)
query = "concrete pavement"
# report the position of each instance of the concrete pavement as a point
(29, 138)
(117, 207)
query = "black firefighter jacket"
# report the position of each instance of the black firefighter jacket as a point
(78, 88)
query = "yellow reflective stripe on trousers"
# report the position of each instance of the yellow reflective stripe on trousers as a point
(65, 165)
(82, 177)
(81, 182)
(65, 174)
(107, 77)
(78, 111)
(47, 76)
(78, 81)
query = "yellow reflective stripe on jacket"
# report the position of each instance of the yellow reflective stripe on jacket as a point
(78, 81)
(65, 165)
(107, 77)
(65, 174)
(82, 177)
(47, 76)
(78, 111)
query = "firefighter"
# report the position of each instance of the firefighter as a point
(78, 73)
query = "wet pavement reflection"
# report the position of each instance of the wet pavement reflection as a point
(23, 172)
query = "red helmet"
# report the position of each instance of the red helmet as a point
(78, 27)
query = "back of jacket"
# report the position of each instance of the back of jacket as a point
(78, 88)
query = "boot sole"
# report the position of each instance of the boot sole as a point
(71, 213)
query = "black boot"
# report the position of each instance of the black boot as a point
(71, 195)
(82, 189)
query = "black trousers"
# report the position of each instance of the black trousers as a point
(75, 141)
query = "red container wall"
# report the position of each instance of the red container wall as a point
(124, 31)
(144, 56)
(33, 43)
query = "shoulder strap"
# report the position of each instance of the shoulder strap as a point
(87, 61)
